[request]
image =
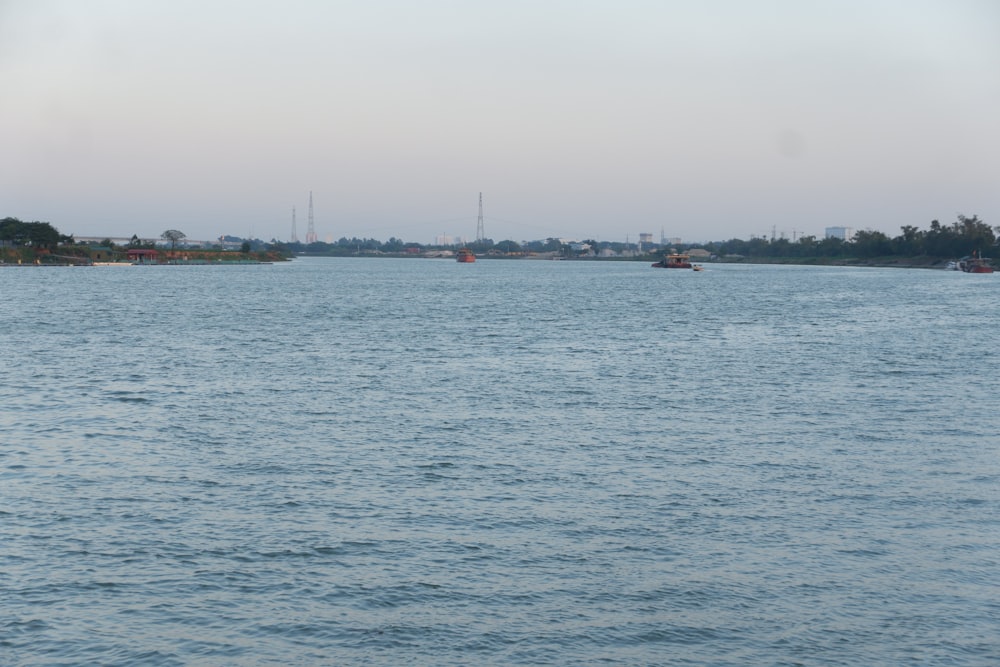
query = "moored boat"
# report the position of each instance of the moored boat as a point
(674, 261)
(975, 264)
(465, 256)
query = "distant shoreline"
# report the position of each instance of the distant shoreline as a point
(879, 262)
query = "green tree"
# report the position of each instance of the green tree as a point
(509, 247)
(173, 236)
(868, 243)
(910, 242)
(975, 233)
(552, 244)
(36, 234)
(13, 230)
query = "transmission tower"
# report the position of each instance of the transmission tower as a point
(295, 234)
(480, 231)
(311, 234)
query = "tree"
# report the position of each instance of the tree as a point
(173, 236)
(36, 234)
(509, 247)
(870, 243)
(974, 233)
(552, 245)
(910, 242)
(392, 245)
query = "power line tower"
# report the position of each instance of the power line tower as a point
(311, 234)
(295, 234)
(480, 230)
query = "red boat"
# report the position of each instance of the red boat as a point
(465, 256)
(975, 264)
(674, 262)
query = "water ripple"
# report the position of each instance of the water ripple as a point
(386, 462)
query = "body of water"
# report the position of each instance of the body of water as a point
(420, 462)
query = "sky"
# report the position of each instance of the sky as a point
(577, 119)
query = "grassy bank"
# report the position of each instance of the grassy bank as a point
(78, 255)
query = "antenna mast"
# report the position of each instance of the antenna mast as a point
(311, 234)
(295, 234)
(480, 231)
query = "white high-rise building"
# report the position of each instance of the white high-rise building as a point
(842, 233)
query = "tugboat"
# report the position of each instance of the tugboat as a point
(465, 256)
(975, 264)
(674, 261)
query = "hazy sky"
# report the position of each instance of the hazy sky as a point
(581, 119)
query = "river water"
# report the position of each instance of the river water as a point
(420, 462)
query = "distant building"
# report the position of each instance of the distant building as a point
(842, 233)
(143, 256)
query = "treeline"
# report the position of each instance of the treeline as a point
(40, 235)
(961, 238)
(354, 246)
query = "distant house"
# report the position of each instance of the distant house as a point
(143, 255)
(100, 253)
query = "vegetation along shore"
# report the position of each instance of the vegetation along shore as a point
(40, 243)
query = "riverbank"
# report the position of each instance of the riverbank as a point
(873, 262)
(86, 256)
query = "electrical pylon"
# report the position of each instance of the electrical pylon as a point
(480, 231)
(311, 233)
